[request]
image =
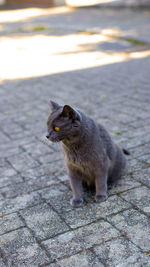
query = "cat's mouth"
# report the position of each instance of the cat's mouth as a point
(54, 140)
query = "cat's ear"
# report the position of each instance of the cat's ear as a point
(68, 112)
(53, 105)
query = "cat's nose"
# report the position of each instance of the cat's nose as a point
(48, 135)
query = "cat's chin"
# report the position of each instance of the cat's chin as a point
(54, 140)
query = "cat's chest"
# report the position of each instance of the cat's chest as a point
(80, 161)
(74, 157)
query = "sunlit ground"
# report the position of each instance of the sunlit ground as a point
(79, 3)
(29, 13)
(25, 56)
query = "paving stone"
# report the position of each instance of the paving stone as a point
(44, 221)
(84, 237)
(37, 149)
(138, 133)
(10, 127)
(140, 151)
(135, 225)
(3, 138)
(141, 115)
(30, 184)
(14, 147)
(111, 126)
(9, 151)
(53, 168)
(143, 176)
(22, 162)
(83, 259)
(51, 158)
(2, 162)
(135, 165)
(1, 197)
(125, 118)
(58, 196)
(21, 135)
(125, 183)
(21, 249)
(93, 211)
(122, 253)
(9, 222)
(135, 142)
(43, 181)
(65, 179)
(10, 180)
(2, 264)
(145, 158)
(139, 197)
(140, 123)
(20, 202)
(7, 171)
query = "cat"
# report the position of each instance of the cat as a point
(90, 154)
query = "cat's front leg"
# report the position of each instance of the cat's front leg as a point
(76, 186)
(101, 187)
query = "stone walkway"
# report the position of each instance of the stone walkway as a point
(99, 61)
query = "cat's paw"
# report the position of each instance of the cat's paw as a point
(76, 202)
(101, 198)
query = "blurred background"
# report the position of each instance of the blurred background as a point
(52, 33)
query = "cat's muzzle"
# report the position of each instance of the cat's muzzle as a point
(47, 135)
(52, 138)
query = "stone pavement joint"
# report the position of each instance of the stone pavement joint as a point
(38, 227)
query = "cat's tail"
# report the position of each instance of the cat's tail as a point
(126, 152)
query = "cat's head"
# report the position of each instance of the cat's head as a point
(64, 123)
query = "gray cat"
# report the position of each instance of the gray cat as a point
(90, 154)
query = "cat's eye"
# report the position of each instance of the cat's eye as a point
(75, 125)
(56, 129)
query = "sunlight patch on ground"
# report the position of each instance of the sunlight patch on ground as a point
(38, 55)
(111, 31)
(29, 13)
(79, 3)
(140, 54)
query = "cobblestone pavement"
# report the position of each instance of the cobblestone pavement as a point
(109, 79)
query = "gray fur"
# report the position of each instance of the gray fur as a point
(90, 154)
